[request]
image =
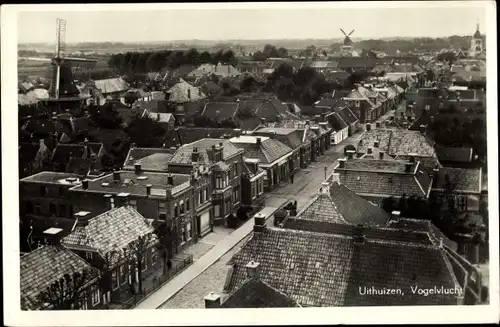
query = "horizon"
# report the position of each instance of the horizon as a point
(235, 24)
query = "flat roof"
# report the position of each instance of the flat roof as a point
(50, 177)
(247, 139)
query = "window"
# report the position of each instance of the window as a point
(189, 231)
(53, 209)
(217, 210)
(183, 234)
(235, 169)
(181, 205)
(89, 255)
(96, 295)
(123, 275)
(114, 279)
(200, 195)
(205, 194)
(43, 190)
(254, 190)
(176, 210)
(427, 107)
(133, 204)
(82, 304)
(62, 210)
(38, 209)
(219, 182)
(154, 255)
(188, 205)
(227, 180)
(144, 263)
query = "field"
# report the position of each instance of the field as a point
(39, 68)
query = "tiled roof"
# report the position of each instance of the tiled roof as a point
(341, 205)
(151, 106)
(130, 183)
(44, 266)
(63, 152)
(454, 154)
(255, 293)
(347, 115)
(269, 151)
(397, 142)
(289, 136)
(220, 110)
(193, 134)
(113, 230)
(272, 108)
(183, 154)
(135, 154)
(185, 92)
(384, 178)
(155, 162)
(111, 85)
(320, 269)
(337, 122)
(468, 180)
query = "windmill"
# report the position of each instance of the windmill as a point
(63, 91)
(347, 40)
(347, 47)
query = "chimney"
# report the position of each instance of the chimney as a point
(369, 151)
(278, 118)
(212, 301)
(342, 163)
(408, 167)
(259, 141)
(395, 215)
(376, 144)
(158, 116)
(170, 179)
(86, 142)
(325, 188)
(260, 223)
(308, 122)
(253, 270)
(82, 218)
(359, 235)
(110, 201)
(263, 121)
(195, 155)
(85, 184)
(189, 94)
(381, 155)
(148, 189)
(377, 124)
(335, 178)
(137, 167)
(423, 129)
(116, 176)
(368, 127)
(122, 199)
(350, 154)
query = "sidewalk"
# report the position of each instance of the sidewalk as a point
(162, 295)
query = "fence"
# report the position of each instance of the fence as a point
(153, 282)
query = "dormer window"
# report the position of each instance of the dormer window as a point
(356, 104)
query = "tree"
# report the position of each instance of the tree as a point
(68, 292)
(105, 116)
(305, 75)
(145, 132)
(136, 252)
(203, 58)
(248, 84)
(310, 51)
(130, 98)
(109, 263)
(430, 75)
(449, 57)
(282, 52)
(388, 204)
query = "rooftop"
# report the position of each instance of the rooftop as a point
(50, 177)
(44, 266)
(204, 147)
(111, 231)
(454, 154)
(134, 184)
(135, 154)
(461, 179)
(321, 269)
(268, 152)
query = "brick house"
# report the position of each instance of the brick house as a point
(109, 242)
(294, 261)
(252, 181)
(38, 272)
(293, 139)
(46, 194)
(223, 163)
(167, 198)
(272, 154)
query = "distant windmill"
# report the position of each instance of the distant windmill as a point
(62, 87)
(347, 39)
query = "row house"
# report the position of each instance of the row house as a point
(224, 163)
(120, 244)
(38, 273)
(293, 139)
(182, 96)
(83, 159)
(376, 180)
(273, 157)
(219, 70)
(252, 182)
(359, 256)
(344, 123)
(167, 198)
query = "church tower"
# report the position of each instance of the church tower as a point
(476, 43)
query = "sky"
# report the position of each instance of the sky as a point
(202, 22)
